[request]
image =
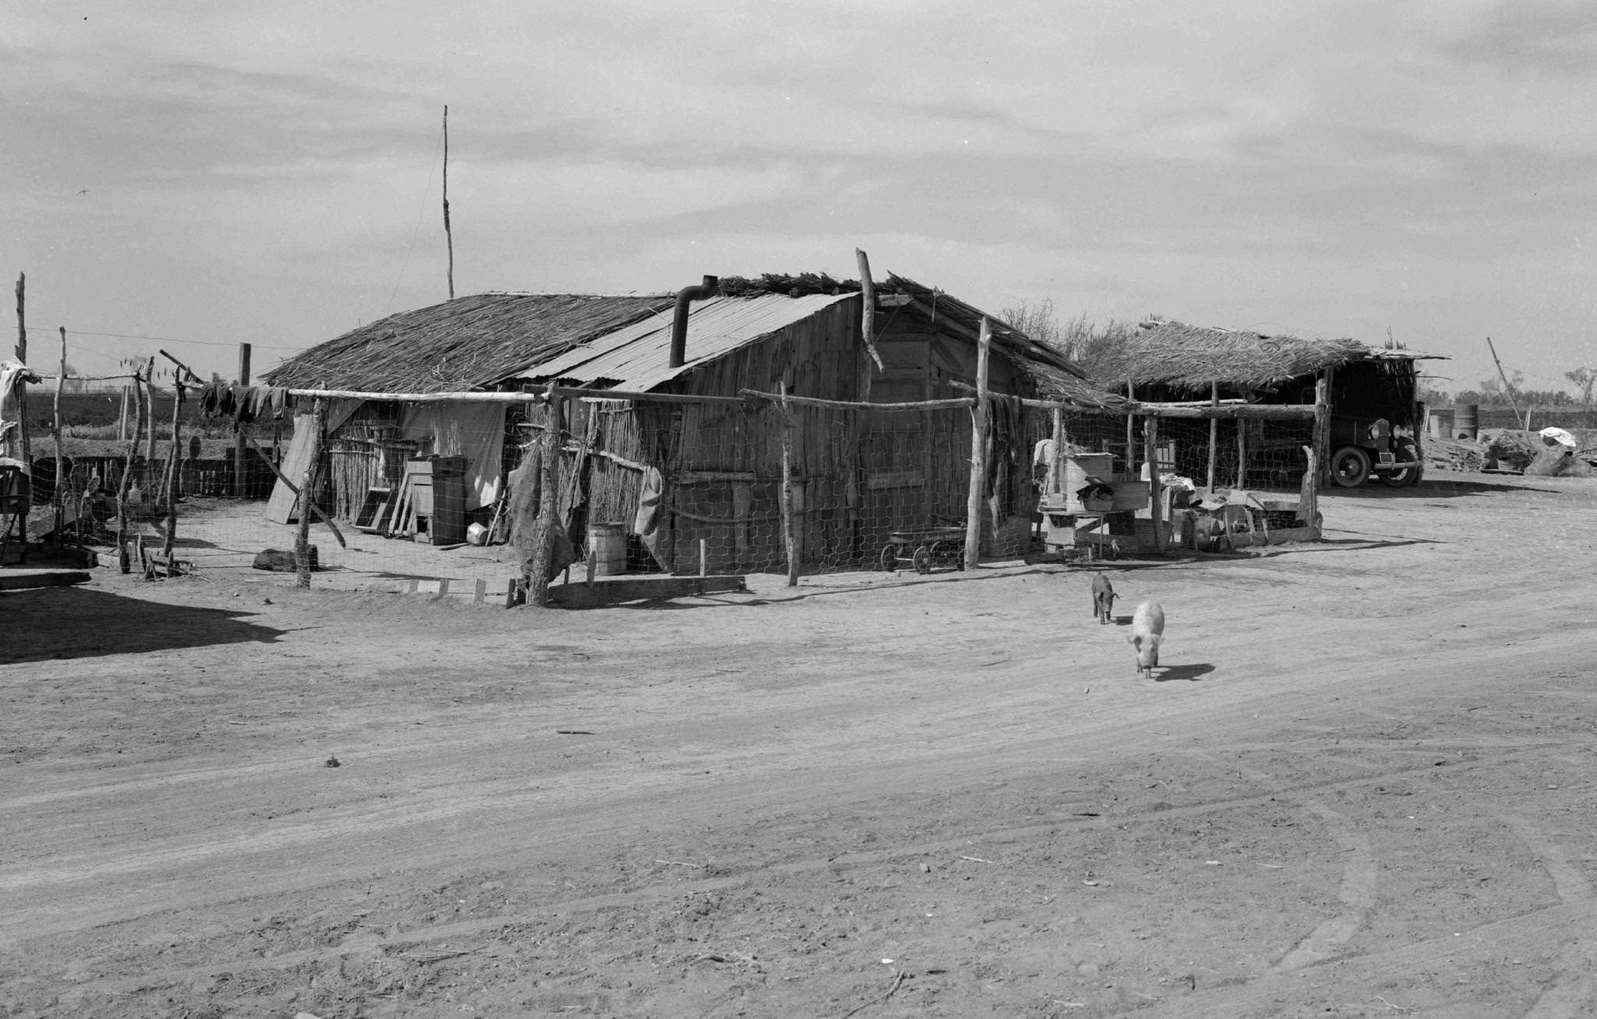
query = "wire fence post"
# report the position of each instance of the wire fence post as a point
(240, 473)
(790, 538)
(58, 495)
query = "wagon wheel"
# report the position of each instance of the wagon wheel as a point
(1350, 467)
(889, 558)
(922, 559)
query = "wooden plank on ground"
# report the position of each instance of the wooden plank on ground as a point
(474, 592)
(611, 590)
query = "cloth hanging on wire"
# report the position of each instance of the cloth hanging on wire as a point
(244, 404)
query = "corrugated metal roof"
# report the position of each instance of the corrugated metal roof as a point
(637, 357)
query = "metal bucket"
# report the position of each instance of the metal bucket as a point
(1466, 421)
(608, 544)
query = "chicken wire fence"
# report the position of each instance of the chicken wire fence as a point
(683, 486)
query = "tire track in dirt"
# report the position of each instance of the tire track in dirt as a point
(1357, 893)
(1320, 945)
(452, 805)
(1573, 992)
(558, 801)
(1540, 929)
(1359, 872)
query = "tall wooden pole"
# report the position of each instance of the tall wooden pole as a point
(23, 443)
(122, 429)
(789, 529)
(127, 478)
(22, 389)
(173, 477)
(860, 421)
(1214, 431)
(240, 474)
(60, 384)
(449, 238)
(978, 449)
(307, 495)
(149, 421)
(1508, 390)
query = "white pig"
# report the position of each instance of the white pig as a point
(1147, 631)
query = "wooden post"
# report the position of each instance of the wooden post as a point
(1150, 442)
(307, 494)
(127, 478)
(1308, 495)
(240, 474)
(1242, 452)
(978, 449)
(789, 537)
(860, 421)
(1051, 482)
(867, 322)
(149, 421)
(22, 394)
(24, 445)
(1214, 431)
(122, 429)
(60, 495)
(1131, 433)
(548, 503)
(704, 557)
(1322, 424)
(173, 477)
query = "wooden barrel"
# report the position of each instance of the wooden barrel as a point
(1439, 424)
(1466, 421)
(608, 543)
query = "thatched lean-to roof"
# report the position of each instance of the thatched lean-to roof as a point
(1192, 357)
(462, 344)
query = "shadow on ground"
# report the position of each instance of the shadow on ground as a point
(1442, 488)
(51, 624)
(1191, 673)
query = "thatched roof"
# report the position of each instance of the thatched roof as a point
(463, 344)
(474, 342)
(1182, 356)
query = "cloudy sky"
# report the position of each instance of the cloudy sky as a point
(191, 175)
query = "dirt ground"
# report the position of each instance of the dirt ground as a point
(1363, 783)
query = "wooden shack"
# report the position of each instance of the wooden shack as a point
(675, 432)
